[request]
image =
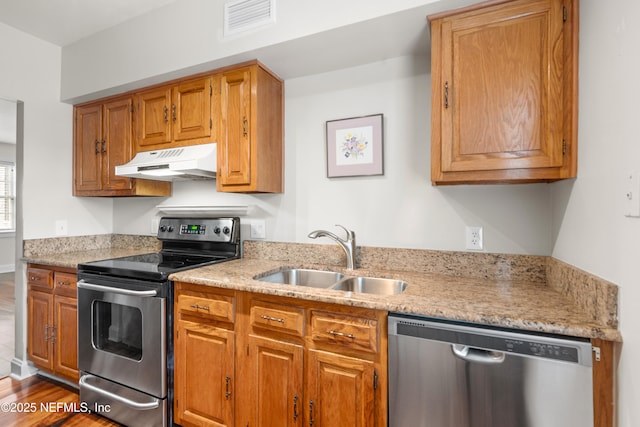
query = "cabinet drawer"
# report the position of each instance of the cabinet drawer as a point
(40, 277)
(65, 284)
(357, 333)
(277, 317)
(210, 306)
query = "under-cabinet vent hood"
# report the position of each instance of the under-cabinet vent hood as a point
(192, 162)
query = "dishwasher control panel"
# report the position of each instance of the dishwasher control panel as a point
(494, 339)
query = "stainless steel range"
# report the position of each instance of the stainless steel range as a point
(125, 341)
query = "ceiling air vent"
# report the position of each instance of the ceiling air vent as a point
(244, 15)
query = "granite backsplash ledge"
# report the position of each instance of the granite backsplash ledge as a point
(521, 268)
(53, 245)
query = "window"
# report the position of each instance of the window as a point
(7, 197)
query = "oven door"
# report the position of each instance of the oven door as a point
(122, 334)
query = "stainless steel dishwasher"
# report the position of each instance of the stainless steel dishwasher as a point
(448, 374)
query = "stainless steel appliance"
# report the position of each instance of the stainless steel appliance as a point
(448, 374)
(125, 322)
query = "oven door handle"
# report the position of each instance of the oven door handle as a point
(84, 285)
(135, 405)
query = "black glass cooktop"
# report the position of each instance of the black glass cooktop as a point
(151, 266)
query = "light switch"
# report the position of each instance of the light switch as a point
(632, 194)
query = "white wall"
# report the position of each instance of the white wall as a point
(590, 229)
(30, 72)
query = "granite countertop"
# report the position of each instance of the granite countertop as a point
(522, 305)
(72, 259)
(507, 291)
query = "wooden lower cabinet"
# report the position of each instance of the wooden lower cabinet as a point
(204, 375)
(276, 361)
(275, 386)
(340, 390)
(52, 318)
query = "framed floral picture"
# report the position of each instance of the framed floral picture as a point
(354, 146)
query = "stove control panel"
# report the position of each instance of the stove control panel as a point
(199, 229)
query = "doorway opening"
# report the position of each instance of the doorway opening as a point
(8, 220)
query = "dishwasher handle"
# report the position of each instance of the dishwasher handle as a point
(477, 355)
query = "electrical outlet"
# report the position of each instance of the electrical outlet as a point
(61, 227)
(474, 238)
(258, 229)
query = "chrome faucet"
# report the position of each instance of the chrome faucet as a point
(348, 246)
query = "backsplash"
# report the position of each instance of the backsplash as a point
(54, 245)
(529, 268)
(596, 296)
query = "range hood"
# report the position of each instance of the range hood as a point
(192, 162)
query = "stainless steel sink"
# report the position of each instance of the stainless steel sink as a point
(334, 280)
(303, 277)
(371, 285)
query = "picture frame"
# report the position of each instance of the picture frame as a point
(355, 146)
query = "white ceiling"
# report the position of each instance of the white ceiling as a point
(63, 22)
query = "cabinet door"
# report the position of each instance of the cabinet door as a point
(340, 391)
(191, 110)
(66, 337)
(276, 369)
(234, 145)
(40, 328)
(117, 147)
(204, 375)
(153, 118)
(88, 146)
(498, 91)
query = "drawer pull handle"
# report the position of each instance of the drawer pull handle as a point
(341, 334)
(34, 278)
(64, 283)
(200, 307)
(274, 319)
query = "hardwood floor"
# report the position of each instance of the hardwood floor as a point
(39, 402)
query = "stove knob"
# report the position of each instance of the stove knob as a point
(163, 228)
(216, 230)
(170, 228)
(226, 230)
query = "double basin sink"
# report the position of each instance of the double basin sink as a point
(334, 280)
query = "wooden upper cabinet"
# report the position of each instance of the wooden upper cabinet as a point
(191, 110)
(174, 115)
(250, 131)
(240, 107)
(87, 156)
(504, 92)
(102, 141)
(153, 118)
